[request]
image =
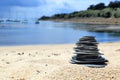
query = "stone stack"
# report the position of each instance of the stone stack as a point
(87, 52)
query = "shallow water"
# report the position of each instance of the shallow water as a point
(48, 32)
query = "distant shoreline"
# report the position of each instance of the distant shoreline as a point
(114, 22)
(111, 21)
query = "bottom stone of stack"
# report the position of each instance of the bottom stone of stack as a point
(97, 60)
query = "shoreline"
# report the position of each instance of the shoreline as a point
(51, 62)
(113, 23)
(1, 46)
(107, 21)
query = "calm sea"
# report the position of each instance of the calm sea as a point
(48, 32)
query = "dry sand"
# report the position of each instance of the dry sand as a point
(51, 62)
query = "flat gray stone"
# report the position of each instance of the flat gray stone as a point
(82, 53)
(86, 42)
(87, 48)
(88, 37)
(88, 62)
(86, 51)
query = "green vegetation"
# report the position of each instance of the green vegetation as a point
(98, 10)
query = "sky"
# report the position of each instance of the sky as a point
(37, 8)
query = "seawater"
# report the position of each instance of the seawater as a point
(49, 32)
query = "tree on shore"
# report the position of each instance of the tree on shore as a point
(115, 4)
(99, 6)
(44, 18)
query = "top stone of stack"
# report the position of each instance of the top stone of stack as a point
(87, 40)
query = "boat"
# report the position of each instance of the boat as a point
(37, 22)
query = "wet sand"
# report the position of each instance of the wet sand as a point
(113, 23)
(51, 62)
(91, 20)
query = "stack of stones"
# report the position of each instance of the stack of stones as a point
(87, 52)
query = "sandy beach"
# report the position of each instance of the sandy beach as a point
(51, 62)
